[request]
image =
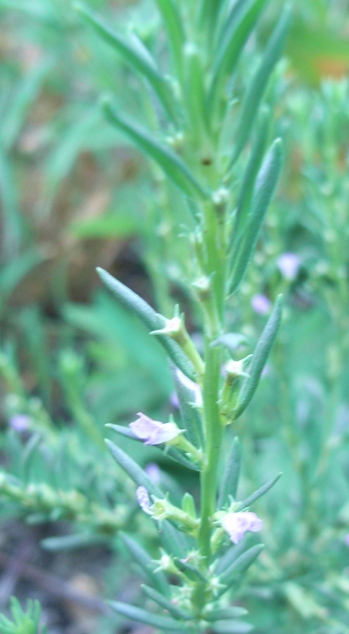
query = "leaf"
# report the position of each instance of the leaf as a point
(225, 613)
(265, 186)
(135, 54)
(231, 475)
(143, 616)
(257, 494)
(174, 27)
(250, 174)
(141, 557)
(152, 320)
(241, 564)
(231, 41)
(190, 415)
(234, 627)
(175, 542)
(133, 469)
(259, 357)
(178, 456)
(71, 542)
(258, 84)
(173, 166)
(166, 604)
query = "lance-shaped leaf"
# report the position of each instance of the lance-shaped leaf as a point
(234, 627)
(173, 166)
(152, 320)
(141, 557)
(191, 419)
(259, 358)
(174, 27)
(232, 37)
(174, 541)
(265, 186)
(257, 494)
(148, 618)
(258, 84)
(241, 564)
(225, 613)
(250, 175)
(134, 53)
(231, 475)
(133, 469)
(166, 604)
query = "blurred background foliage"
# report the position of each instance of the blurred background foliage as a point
(74, 194)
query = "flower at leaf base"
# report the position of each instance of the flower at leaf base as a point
(143, 500)
(152, 431)
(237, 524)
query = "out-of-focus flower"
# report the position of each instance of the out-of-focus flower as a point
(153, 471)
(346, 539)
(19, 422)
(261, 304)
(152, 431)
(237, 524)
(143, 500)
(288, 265)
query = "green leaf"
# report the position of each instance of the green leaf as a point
(190, 416)
(71, 542)
(258, 84)
(234, 627)
(143, 616)
(175, 542)
(152, 320)
(133, 469)
(231, 475)
(177, 455)
(134, 53)
(266, 183)
(241, 564)
(257, 494)
(225, 613)
(250, 174)
(173, 166)
(174, 26)
(166, 604)
(259, 357)
(141, 557)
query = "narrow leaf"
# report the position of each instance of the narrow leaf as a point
(174, 542)
(166, 604)
(133, 470)
(241, 564)
(234, 627)
(190, 415)
(250, 174)
(231, 475)
(173, 166)
(257, 494)
(225, 613)
(152, 320)
(232, 38)
(266, 183)
(258, 84)
(143, 616)
(134, 53)
(141, 557)
(174, 27)
(259, 357)
(177, 455)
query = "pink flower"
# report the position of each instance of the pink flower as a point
(152, 431)
(261, 304)
(237, 524)
(288, 265)
(143, 500)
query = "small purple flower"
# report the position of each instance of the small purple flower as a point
(153, 471)
(143, 500)
(237, 524)
(152, 431)
(261, 304)
(19, 422)
(288, 265)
